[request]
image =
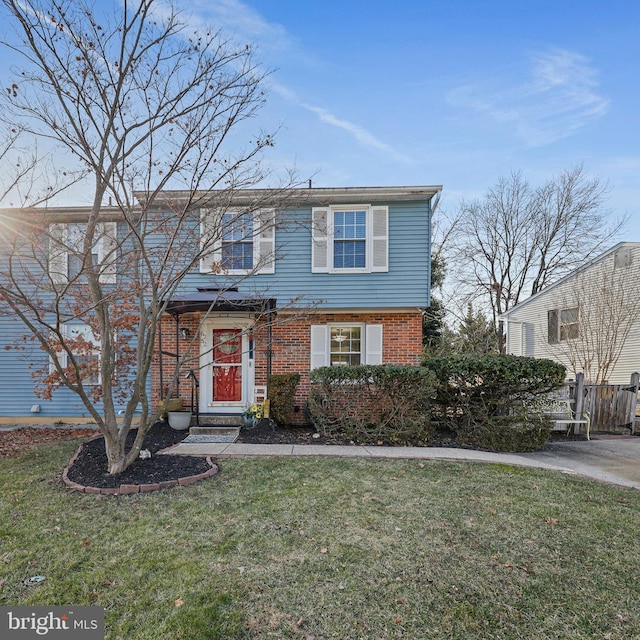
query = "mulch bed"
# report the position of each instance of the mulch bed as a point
(89, 466)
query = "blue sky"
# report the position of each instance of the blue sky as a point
(451, 92)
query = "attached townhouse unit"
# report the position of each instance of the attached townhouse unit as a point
(329, 276)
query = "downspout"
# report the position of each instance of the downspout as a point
(161, 368)
(269, 340)
(433, 205)
(177, 371)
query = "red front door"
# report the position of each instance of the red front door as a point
(227, 365)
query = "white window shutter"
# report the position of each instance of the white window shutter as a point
(210, 240)
(380, 239)
(108, 251)
(58, 256)
(373, 344)
(319, 240)
(264, 242)
(319, 346)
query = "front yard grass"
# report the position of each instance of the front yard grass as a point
(329, 548)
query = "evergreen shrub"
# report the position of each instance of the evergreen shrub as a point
(372, 403)
(483, 399)
(282, 391)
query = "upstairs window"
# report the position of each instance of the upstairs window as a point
(350, 239)
(85, 349)
(237, 242)
(563, 324)
(66, 252)
(75, 254)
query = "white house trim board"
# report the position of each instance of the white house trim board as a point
(206, 365)
(325, 195)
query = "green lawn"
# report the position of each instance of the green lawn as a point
(329, 548)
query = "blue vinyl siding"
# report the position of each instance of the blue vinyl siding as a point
(406, 284)
(17, 387)
(17, 394)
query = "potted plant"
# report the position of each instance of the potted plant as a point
(169, 404)
(252, 414)
(179, 420)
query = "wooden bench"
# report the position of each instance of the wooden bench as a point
(560, 412)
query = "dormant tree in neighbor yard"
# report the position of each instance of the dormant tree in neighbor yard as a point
(519, 239)
(142, 103)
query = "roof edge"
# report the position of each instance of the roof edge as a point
(298, 196)
(571, 274)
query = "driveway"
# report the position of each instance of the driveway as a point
(615, 460)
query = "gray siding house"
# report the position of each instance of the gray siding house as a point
(589, 320)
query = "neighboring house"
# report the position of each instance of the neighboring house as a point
(589, 320)
(340, 278)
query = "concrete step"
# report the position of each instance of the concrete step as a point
(217, 420)
(203, 430)
(212, 434)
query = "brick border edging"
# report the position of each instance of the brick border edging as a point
(128, 489)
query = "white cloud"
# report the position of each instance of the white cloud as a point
(360, 134)
(559, 98)
(244, 21)
(249, 25)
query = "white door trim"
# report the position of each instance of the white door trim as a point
(206, 368)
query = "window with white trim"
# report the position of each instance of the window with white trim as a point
(350, 239)
(345, 344)
(563, 324)
(85, 348)
(66, 251)
(237, 242)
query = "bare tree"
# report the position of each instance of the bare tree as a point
(519, 239)
(600, 310)
(145, 105)
(27, 177)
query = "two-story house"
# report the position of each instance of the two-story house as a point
(589, 320)
(336, 276)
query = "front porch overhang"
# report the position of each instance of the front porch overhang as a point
(212, 300)
(205, 300)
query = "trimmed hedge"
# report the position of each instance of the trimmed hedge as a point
(371, 403)
(482, 399)
(282, 391)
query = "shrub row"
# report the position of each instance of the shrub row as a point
(385, 403)
(482, 399)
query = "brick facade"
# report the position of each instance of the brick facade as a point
(402, 344)
(291, 347)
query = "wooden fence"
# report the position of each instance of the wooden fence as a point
(611, 407)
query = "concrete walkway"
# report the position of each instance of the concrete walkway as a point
(615, 460)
